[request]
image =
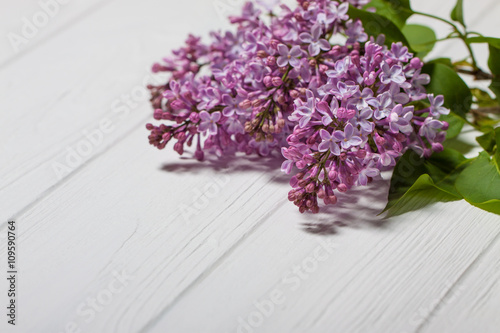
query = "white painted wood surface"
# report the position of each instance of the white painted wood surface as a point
(111, 228)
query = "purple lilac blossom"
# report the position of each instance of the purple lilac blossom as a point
(339, 113)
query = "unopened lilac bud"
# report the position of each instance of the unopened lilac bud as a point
(271, 61)
(437, 147)
(294, 94)
(166, 136)
(310, 188)
(342, 188)
(303, 182)
(156, 68)
(277, 81)
(380, 141)
(268, 81)
(246, 104)
(158, 114)
(361, 153)
(416, 63)
(445, 125)
(332, 174)
(179, 148)
(265, 128)
(312, 62)
(177, 105)
(199, 155)
(149, 127)
(194, 117)
(323, 68)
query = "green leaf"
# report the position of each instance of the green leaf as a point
(489, 40)
(487, 141)
(457, 14)
(456, 124)
(417, 182)
(421, 38)
(375, 24)
(398, 11)
(445, 81)
(479, 184)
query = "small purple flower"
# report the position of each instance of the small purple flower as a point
(289, 56)
(355, 32)
(345, 90)
(383, 108)
(362, 99)
(316, 44)
(209, 122)
(232, 105)
(328, 143)
(430, 128)
(347, 138)
(341, 68)
(437, 108)
(399, 119)
(363, 120)
(392, 74)
(399, 52)
(368, 171)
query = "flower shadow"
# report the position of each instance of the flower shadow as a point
(359, 207)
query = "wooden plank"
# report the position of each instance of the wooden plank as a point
(89, 82)
(376, 279)
(473, 304)
(123, 211)
(26, 25)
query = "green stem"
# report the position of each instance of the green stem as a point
(461, 35)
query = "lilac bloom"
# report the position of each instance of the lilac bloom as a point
(234, 126)
(437, 105)
(399, 119)
(388, 158)
(418, 81)
(232, 105)
(328, 112)
(210, 97)
(363, 120)
(398, 96)
(362, 99)
(341, 68)
(292, 31)
(384, 106)
(399, 52)
(347, 138)
(328, 143)
(368, 171)
(345, 90)
(355, 32)
(302, 71)
(316, 44)
(209, 122)
(288, 56)
(392, 74)
(304, 111)
(429, 128)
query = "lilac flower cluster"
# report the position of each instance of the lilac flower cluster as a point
(339, 113)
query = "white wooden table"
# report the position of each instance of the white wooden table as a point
(104, 244)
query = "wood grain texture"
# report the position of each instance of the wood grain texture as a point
(136, 240)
